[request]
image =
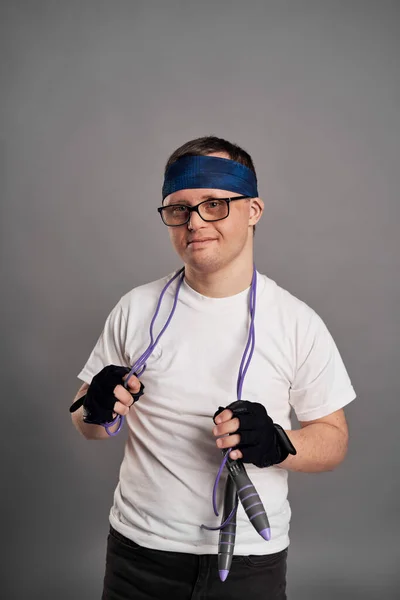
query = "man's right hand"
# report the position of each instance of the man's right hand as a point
(106, 396)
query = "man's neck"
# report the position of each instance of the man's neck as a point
(224, 282)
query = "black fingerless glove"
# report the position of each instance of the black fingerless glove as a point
(262, 442)
(98, 403)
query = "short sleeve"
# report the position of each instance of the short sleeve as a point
(110, 347)
(321, 383)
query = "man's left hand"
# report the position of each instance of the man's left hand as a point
(247, 427)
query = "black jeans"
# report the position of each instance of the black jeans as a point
(137, 573)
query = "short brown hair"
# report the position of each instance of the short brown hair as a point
(208, 145)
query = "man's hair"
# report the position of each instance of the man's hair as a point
(208, 145)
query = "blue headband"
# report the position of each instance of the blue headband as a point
(191, 172)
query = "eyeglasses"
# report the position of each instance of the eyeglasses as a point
(214, 209)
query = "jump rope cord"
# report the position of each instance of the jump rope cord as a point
(241, 376)
(140, 366)
(141, 362)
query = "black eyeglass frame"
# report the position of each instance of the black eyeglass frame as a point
(196, 209)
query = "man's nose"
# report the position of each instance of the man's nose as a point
(195, 221)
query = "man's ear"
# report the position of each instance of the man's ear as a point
(256, 210)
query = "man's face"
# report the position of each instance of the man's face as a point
(208, 246)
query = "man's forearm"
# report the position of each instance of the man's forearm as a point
(320, 447)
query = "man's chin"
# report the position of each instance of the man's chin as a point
(203, 264)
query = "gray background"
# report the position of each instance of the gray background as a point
(94, 97)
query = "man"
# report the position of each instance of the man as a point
(191, 412)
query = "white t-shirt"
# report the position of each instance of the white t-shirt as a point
(170, 462)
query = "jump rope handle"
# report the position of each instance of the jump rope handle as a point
(226, 543)
(249, 498)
